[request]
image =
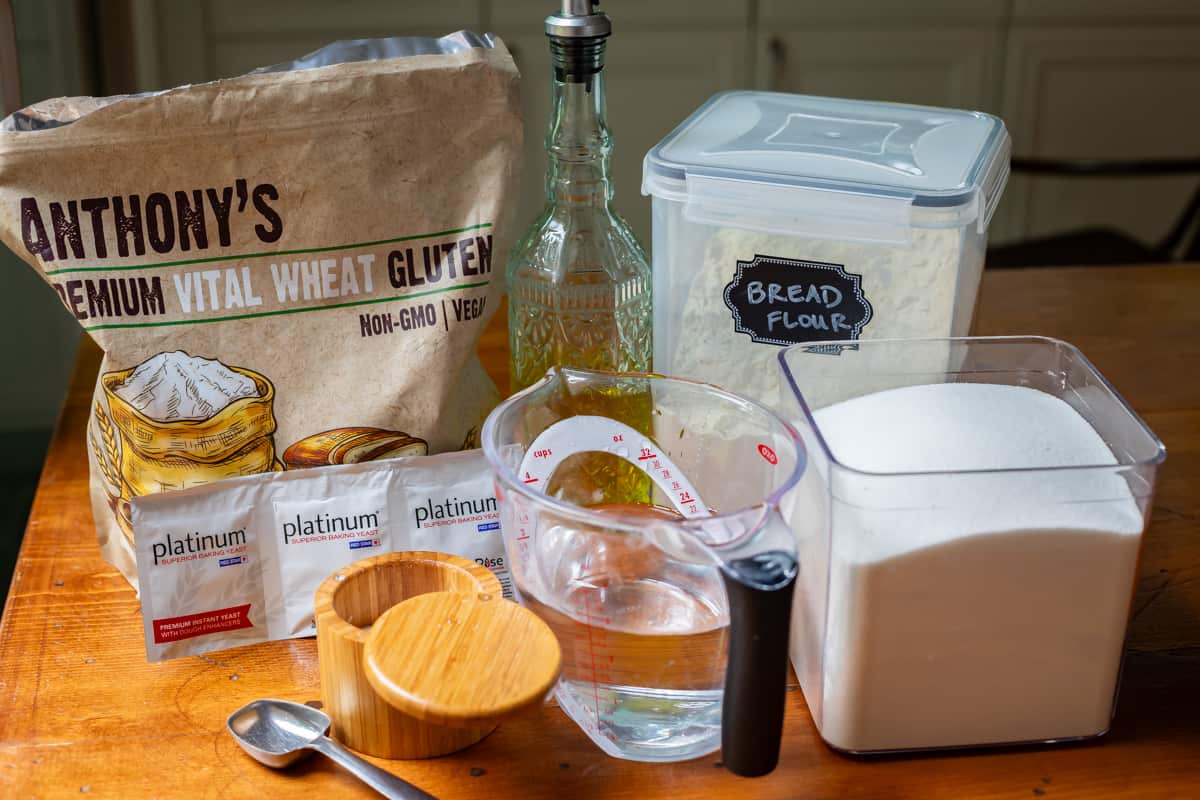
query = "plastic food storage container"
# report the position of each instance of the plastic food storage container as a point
(783, 218)
(972, 607)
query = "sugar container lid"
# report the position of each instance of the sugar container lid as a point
(918, 155)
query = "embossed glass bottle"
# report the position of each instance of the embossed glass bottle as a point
(578, 281)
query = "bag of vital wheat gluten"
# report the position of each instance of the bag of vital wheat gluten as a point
(285, 269)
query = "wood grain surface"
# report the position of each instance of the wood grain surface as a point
(82, 712)
(459, 659)
(347, 608)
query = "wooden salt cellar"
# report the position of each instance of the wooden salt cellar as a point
(421, 656)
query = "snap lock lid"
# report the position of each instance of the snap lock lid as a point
(879, 153)
(461, 660)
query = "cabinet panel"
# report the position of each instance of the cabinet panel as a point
(654, 81)
(1070, 77)
(227, 58)
(180, 43)
(52, 62)
(1101, 92)
(33, 52)
(30, 19)
(813, 12)
(525, 16)
(955, 67)
(200, 41)
(1091, 12)
(375, 17)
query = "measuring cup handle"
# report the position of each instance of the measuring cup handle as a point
(756, 676)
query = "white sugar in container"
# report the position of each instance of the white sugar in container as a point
(784, 218)
(968, 530)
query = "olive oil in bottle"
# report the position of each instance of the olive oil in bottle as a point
(578, 281)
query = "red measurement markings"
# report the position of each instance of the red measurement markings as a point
(594, 641)
(647, 454)
(587, 617)
(523, 539)
(530, 479)
(605, 669)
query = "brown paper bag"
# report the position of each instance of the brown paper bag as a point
(270, 259)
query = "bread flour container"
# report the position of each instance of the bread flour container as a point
(782, 218)
(968, 530)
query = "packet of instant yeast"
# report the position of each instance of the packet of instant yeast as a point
(238, 561)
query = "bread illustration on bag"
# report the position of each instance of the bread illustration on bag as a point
(352, 446)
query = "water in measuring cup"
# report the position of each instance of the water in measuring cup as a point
(644, 645)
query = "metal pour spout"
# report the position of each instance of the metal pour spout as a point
(579, 19)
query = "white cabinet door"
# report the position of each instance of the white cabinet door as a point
(954, 66)
(1092, 12)
(206, 39)
(627, 15)
(654, 80)
(926, 13)
(1115, 92)
(51, 63)
(665, 58)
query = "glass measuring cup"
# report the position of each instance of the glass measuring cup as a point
(641, 522)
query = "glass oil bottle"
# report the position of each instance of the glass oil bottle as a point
(578, 281)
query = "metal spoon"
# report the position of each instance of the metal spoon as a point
(277, 732)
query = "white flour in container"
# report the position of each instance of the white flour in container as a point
(912, 290)
(970, 609)
(177, 386)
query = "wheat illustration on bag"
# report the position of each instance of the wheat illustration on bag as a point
(107, 454)
(109, 458)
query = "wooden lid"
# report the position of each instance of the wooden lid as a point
(461, 659)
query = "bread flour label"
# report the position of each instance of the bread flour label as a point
(784, 301)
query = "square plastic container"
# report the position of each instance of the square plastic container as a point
(783, 218)
(925, 616)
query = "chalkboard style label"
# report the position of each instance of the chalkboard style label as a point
(784, 301)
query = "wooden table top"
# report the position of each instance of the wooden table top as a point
(82, 712)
